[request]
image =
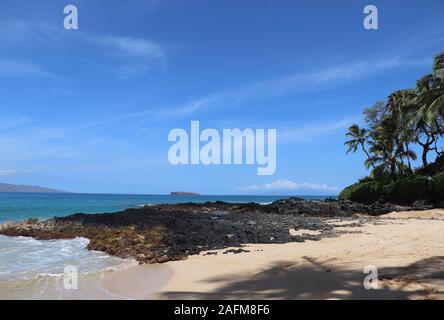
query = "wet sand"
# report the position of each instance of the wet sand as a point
(407, 248)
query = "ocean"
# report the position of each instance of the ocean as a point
(35, 269)
(20, 206)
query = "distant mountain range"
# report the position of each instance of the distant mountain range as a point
(182, 193)
(5, 187)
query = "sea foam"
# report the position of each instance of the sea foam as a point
(34, 269)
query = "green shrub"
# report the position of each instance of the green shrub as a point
(367, 192)
(408, 190)
(433, 168)
(438, 185)
(404, 191)
(366, 179)
(345, 194)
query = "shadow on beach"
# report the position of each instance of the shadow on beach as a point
(321, 280)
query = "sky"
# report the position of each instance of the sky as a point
(90, 110)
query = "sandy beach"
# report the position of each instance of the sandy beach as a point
(406, 247)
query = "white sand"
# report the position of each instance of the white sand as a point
(407, 248)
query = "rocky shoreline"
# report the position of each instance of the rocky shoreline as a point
(161, 233)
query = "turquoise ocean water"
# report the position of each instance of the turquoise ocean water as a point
(19, 206)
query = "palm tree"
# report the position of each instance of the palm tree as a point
(431, 93)
(384, 154)
(403, 112)
(358, 139)
(387, 146)
(411, 116)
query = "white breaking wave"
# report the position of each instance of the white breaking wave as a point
(34, 269)
(146, 205)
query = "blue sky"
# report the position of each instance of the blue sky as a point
(89, 110)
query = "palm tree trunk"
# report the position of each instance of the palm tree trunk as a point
(408, 155)
(402, 169)
(368, 156)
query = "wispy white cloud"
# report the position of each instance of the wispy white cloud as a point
(236, 97)
(22, 32)
(276, 87)
(19, 31)
(50, 91)
(332, 75)
(6, 124)
(281, 86)
(13, 172)
(288, 185)
(18, 68)
(133, 71)
(140, 48)
(143, 53)
(307, 133)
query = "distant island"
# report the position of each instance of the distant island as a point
(180, 193)
(4, 187)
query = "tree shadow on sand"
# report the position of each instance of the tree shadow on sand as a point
(313, 279)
